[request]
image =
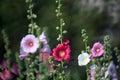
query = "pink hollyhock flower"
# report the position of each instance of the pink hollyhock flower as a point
(5, 75)
(29, 43)
(92, 74)
(15, 69)
(42, 38)
(45, 49)
(22, 54)
(97, 50)
(44, 57)
(62, 51)
(2, 76)
(111, 71)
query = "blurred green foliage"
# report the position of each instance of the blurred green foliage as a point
(13, 19)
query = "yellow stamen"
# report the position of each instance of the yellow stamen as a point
(30, 43)
(97, 50)
(61, 53)
(84, 60)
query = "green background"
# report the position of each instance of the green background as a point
(13, 19)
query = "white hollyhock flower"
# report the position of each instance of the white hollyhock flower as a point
(83, 59)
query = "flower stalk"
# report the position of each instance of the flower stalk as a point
(31, 16)
(59, 15)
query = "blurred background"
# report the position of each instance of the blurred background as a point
(98, 17)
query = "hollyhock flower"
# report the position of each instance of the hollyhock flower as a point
(92, 74)
(2, 76)
(45, 49)
(97, 50)
(44, 57)
(62, 51)
(42, 38)
(22, 54)
(15, 69)
(66, 42)
(111, 71)
(4, 64)
(83, 59)
(30, 43)
(5, 75)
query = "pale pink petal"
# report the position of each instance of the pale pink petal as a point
(30, 43)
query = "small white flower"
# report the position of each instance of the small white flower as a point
(83, 59)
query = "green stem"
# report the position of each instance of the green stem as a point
(61, 30)
(86, 46)
(62, 64)
(87, 70)
(30, 14)
(32, 27)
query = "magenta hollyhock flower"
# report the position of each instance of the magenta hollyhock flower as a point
(62, 51)
(111, 71)
(5, 75)
(22, 54)
(97, 49)
(2, 76)
(4, 64)
(42, 38)
(15, 69)
(45, 49)
(29, 43)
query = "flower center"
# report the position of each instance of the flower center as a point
(61, 53)
(84, 60)
(97, 50)
(30, 43)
